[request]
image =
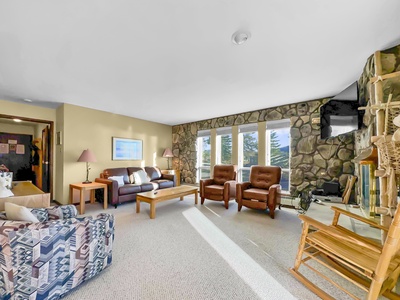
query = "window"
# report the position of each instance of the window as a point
(224, 145)
(203, 155)
(248, 150)
(278, 148)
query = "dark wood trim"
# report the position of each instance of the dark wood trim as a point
(51, 123)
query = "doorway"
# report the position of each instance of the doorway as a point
(34, 159)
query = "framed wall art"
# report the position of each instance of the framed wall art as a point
(127, 149)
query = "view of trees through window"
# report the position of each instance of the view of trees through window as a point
(278, 153)
(250, 153)
(203, 157)
(226, 149)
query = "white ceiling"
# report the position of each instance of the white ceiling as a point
(173, 62)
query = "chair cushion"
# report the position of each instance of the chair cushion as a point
(214, 190)
(256, 194)
(263, 177)
(129, 189)
(223, 173)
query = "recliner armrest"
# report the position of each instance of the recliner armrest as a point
(203, 184)
(231, 186)
(274, 193)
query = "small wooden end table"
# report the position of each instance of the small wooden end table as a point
(153, 197)
(82, 187)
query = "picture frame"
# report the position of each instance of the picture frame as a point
(127, 149)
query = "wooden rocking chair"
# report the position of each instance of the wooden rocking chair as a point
(364, 262)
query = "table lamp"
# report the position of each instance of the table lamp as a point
(87, 156)
(168, 153)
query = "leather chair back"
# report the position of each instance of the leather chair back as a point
(223, 173)
(263, 177)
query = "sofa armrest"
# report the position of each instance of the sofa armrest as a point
(72, 238)
(171, 177)
(112, 187)
(61, 212)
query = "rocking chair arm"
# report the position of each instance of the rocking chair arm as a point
(359, 218)
(332, 231)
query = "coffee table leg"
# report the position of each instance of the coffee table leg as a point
(181, 198)
(137, 205)
(195, 197)
(152, 210)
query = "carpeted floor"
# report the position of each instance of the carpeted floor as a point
(167, 258)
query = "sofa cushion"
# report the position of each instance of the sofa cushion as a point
(119, 179)
(132, 170)
(19, 213)
(146, 187)
(141, 177)
(129, 189)
(153, 172)
(117, 172)
(163, 183)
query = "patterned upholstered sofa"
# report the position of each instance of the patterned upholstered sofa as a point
(46, 260)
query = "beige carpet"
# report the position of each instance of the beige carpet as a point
(167, 258)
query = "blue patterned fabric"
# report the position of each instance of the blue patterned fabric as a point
(46, 260)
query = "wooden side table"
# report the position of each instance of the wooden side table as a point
(177, 173)
(82, 187)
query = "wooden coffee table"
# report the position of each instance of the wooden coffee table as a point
(153, 197)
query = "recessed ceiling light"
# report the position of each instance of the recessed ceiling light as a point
(27, 100)
(17, 120)
(240, 37)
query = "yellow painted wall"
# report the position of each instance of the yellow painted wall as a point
(83, 128)
(86, 128)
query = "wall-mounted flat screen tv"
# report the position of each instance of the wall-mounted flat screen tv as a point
(339, 117)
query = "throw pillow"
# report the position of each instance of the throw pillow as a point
(119, 179)
(19, 213)
(131, 178)
(141, 177)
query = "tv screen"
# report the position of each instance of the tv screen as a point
(339, 117)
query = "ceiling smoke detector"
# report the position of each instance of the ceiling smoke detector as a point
(240, 37)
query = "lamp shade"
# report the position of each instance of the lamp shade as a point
(87, 156)
(167, 153)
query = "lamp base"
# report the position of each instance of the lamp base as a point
(86, 182)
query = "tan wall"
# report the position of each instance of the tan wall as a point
(83, 128)
(86, 128)
(17, 128)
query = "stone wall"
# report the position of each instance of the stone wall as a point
(313, 160)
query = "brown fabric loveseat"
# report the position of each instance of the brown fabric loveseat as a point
(119, 193)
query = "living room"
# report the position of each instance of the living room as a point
(76, 125)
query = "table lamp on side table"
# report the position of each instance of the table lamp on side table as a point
(87, 156)
(168, 153)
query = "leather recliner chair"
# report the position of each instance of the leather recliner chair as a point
(262, 191)
(222, 187)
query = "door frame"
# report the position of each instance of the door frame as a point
(51, 150)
